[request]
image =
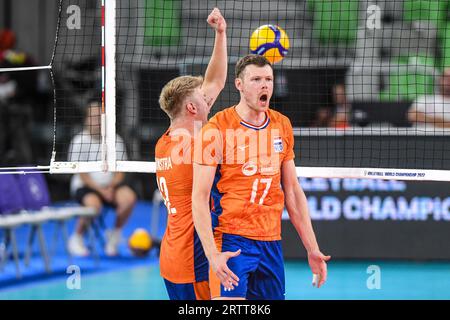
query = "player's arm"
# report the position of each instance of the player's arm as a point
(297, 207)
(203, 180)
(418, 117)
(216, 72)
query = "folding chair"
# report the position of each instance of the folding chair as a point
(37, 200)
(11, 202)
(36, 196)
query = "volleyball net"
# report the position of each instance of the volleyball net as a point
(354, 73)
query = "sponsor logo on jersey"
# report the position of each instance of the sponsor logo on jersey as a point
(249, 169)
(268, 170)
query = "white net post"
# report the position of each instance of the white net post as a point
(110, 81)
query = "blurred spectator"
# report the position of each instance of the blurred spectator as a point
(16, 85)
(433, 111)
(337, 116)
(97, 189)
(323, 117)
(16, 95)
(341, 115)
(334, 25)
(7, 42)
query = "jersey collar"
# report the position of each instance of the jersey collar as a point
(251, 126)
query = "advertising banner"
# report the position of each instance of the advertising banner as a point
(371, 219)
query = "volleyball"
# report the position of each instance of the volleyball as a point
(270, 41)
(140, 242)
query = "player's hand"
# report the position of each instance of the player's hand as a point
(217, 21)
(218, 263)
(317, 262)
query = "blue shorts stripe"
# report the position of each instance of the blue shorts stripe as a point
(216, 196)
(201, 266)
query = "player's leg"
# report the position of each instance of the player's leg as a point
(242, 265)
(91, 199)
(268, 281)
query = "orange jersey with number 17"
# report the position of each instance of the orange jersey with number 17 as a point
(182, 259)
(247, 197)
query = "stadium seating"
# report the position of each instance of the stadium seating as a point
(11, 201)
(413, 77)
(445, 46)
(334, 27)
(197, 39)
(25, 200)
(434, 11)
(335, 22)
(164, 29)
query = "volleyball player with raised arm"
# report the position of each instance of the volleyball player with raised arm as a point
(187, 101)
(245, 161)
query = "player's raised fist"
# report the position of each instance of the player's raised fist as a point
(217, 21)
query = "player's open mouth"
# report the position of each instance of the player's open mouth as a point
(263, 98)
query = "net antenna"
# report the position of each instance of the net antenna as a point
(72, 160)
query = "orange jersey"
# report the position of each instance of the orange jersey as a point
(181, 258)
(247, 197)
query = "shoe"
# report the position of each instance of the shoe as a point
(113, 239)
(77, 247)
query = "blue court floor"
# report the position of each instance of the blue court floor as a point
(129, 277)
(347, 280)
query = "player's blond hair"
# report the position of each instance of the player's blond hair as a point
(175, 91)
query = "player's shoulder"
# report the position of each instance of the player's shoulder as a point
(223, 119)
(160, 142)
(163, 144)
(170, 138)
(276, 116)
